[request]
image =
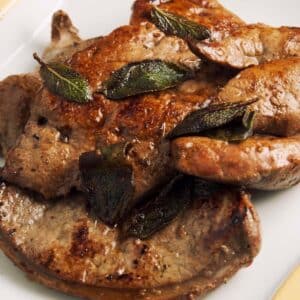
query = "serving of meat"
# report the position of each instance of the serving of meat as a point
(252, 45)
(106, 122)
(101, 198)
(86, 258)
(260, 162)
(16, 96)
(276, 85)
(208, 13)
(17, 92)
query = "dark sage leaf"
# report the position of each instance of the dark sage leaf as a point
(65, 82)
(236, 131)
(214, 116)
(203, 189)
(173, 24)
(142, 77)
(108, 183)
(157, 214)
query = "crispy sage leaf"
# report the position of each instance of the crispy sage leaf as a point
(142, 77)
(203, 189)
(63, 81)
(107, 179)
(172, 24)
(236, 131)
(214, 116)
(157, 214)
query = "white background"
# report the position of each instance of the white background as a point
(26, 29)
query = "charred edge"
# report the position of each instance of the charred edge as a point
(126, 277)
(80, 243)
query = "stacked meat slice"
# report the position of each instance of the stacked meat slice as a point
(43, 141)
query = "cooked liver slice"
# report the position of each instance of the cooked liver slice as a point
(60, 245)
(260, 162)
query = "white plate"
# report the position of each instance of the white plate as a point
(25, 29)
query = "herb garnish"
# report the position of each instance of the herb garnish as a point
(173, 24)
(203, 121)
(107, 179)
(159, 212)
(142, 77)
(63, 81)
(236, 131)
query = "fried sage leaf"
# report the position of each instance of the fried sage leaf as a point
(107, 179)
(65, 82)
(173, 24)
(142, 77)
(203, 189)
(158, 213)
(211, 117)
(236, 131)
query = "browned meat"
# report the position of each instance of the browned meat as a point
(17, 92)
(65, 40)
(251, 45)
(206, 12)
(73, 129)
(16, 95)
(276, 84)
(260, 162)
(59, 245)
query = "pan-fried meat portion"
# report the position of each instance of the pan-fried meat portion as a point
(17, 92)
(65, 40)
(252, 45)
(261, 162)
(60, 245)
(53, 149)
(16, 95)
(142, 120)
(130, 44)
(146, 120)
(209, 13)
(277, 86)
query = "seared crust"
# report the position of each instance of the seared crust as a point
(209, 13)
(252, 45)
(276, 85)
(85, 258)
(260, 162)
(72, 129)
(142, 120)
(16, 97)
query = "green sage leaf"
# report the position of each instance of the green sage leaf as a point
(173, 24)
(158, 213)
(142, 77)
(211, 117)
(65, 82)
(236, 131)
(107, 180)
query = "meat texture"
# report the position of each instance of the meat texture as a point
(59, 245)
(252, 45)
(209, 13)
(232, 43)
(16, 96)
(54, 148)
(277, 87)
(17, 92)
(65, 40)
(260, 162)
